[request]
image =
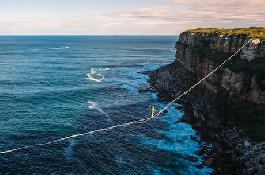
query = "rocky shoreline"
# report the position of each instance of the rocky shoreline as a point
(224, 148)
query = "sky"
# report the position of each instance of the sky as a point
(121, 17)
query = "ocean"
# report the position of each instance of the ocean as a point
(52, 87)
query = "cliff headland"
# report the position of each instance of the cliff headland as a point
(228, 109)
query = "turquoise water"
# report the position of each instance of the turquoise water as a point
(56, 86)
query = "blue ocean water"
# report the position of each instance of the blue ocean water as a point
(57, 86)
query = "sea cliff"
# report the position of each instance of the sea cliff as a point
(228, 109)
(200, 53)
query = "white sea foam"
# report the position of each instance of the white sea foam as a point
(139, 80)
(129, 88)
(94, 105)
(56, 48)
(53, 48)
(103, 69)
(178, 135)
(96, 79)
(177, 140)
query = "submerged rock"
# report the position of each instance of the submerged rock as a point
(192, 159)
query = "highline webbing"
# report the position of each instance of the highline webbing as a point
(133, 122)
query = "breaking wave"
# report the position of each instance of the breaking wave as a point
(94, 76)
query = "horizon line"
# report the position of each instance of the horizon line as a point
(84, 35)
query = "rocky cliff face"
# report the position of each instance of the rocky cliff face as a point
(228, 110)
(229, 43)
(198, 53)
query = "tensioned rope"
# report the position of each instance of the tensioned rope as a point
(208, 75)
(133, 122)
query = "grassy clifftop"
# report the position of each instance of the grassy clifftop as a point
(253, 32)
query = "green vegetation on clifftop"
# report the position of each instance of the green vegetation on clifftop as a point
(253, 32)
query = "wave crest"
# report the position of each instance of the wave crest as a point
(94, 76)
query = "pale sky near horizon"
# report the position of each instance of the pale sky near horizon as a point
(120, 17)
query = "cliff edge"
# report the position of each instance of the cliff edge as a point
(228, 109)
(243, 77)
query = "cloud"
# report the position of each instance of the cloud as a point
(149, 15)
(191, 15)
(215, 13)
(171, 18)
(217, 2)
(82, 25)
(54, 25)
(228, 6)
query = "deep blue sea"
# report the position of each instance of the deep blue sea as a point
(57, 86)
